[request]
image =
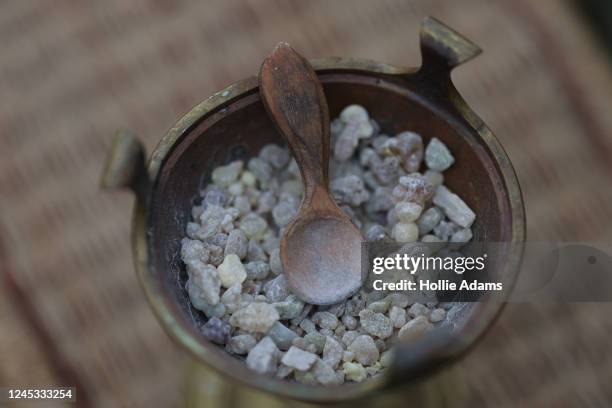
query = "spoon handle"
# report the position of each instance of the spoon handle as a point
(294, 99)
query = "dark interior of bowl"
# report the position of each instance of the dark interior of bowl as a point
(242, 127)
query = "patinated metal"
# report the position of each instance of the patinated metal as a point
(232, 123)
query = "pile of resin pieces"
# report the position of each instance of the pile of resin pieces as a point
(235, 276)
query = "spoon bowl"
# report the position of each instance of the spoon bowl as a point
(323, 253)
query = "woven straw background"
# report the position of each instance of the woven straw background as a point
(72, 72)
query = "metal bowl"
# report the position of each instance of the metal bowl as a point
(233, 124)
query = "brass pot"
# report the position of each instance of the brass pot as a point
(233, 124)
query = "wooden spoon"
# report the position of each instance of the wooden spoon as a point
(321, 249)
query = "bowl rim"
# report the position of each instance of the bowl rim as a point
(190, 341)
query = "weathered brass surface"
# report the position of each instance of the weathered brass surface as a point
(232, 123)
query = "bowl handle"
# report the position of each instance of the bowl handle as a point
(125, 166)
(442, 48)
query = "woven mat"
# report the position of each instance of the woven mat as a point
(72, 72)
